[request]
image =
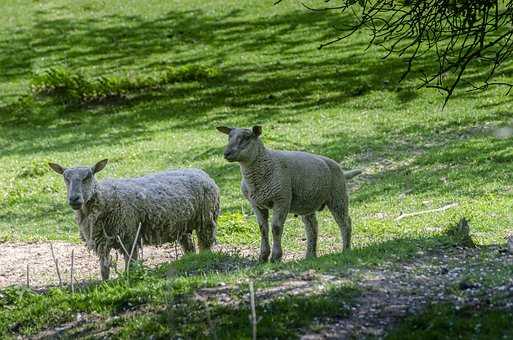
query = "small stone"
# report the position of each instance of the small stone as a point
(464, 285)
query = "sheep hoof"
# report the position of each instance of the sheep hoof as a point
(276, 257)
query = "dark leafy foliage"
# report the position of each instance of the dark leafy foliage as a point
(459, 33)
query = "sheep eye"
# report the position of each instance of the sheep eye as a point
(88, 177)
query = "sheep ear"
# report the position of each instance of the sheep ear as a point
(99, 166)
(257, 130)
(57, 168)
(224, 129)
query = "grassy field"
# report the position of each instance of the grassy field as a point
(343, 102)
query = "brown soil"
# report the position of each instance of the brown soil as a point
(15, 257)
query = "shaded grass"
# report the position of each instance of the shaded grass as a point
(281, 318)
(443, 321)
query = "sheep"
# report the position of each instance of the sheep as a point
(167, 205)
(288, 182)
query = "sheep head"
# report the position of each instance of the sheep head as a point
(243, 144)
(79, 182)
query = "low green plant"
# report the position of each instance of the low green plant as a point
(73, 86)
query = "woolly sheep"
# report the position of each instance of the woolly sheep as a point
(288, 182)
(168, 205)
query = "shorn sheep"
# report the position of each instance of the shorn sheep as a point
(168, 205)
(288, 182)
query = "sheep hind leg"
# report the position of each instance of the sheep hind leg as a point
(105, 264)
(206, 237)
(311, 229)
(185, 241)
(339, 210)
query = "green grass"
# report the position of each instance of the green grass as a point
(343, 102)
(168, 294)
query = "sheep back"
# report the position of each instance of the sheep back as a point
(166, 204)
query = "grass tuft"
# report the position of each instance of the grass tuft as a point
(460, 234)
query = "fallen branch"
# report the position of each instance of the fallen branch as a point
(56, 265)
(444, 208)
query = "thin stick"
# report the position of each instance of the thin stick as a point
(446, 207)
(122, 245)
(142, 251)
(134, 243)
(28, 276)
(253, 309)
(56, 265)
(124, 249)
(71, 274)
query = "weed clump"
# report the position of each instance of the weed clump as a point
(460, 234)
(73, 86)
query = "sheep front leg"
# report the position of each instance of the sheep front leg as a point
(105, 263)
(278, 220)
(262, 216)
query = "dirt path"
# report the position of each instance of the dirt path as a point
(394, 291)
(14, 258)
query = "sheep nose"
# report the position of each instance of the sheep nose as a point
(228, 153)
(75, 201)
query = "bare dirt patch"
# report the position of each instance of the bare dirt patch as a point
(14, 258)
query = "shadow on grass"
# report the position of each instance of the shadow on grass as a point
(262, 92)
(281, 318)
(401, 249)
(175, 285)
(444, 321)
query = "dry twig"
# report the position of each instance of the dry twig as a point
(28, 276)
(253, 317)
(71, 274)
(56, 265)
(448, 206)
